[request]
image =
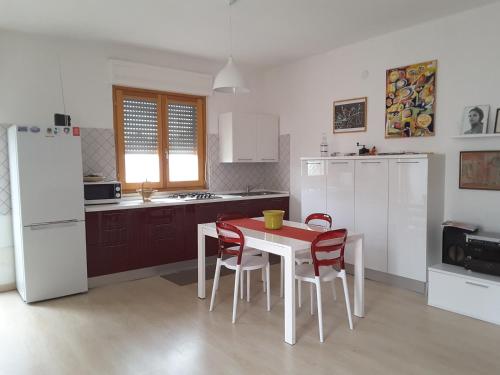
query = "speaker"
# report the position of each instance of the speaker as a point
(454, 245)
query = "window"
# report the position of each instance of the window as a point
(160, 137)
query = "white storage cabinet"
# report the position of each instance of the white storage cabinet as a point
(248, 138)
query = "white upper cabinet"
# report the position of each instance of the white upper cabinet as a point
(267, 138)
(313, 189)
(407, 218)
(371, 196)
(248, 137)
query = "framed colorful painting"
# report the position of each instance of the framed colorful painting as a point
(349, 115)
(410, 100)
(480, 170)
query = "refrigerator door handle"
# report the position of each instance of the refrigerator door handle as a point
(52, 223)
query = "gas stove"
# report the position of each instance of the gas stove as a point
(194, 196)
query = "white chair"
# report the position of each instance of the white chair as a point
(327, 250)
(232, 243)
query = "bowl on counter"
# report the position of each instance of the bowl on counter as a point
(146, 193)
(273, 219)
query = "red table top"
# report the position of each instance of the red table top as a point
(286, 231)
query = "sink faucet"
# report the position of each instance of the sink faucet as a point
(251, 187)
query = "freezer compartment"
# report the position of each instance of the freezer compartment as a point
(55, 260)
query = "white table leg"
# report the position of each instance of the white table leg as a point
(201, 263)
(289, 301)
(359, 279)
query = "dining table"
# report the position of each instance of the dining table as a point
(293, 237)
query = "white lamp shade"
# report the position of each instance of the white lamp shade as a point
(229, 80)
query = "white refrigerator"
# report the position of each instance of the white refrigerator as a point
(47, 211)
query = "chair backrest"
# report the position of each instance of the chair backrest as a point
(231, 240)
(320, 216)
(230, 216)
(328, 249)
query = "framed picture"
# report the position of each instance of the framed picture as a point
(475, 119)
(410, 100)
(349, 115)
(497, 125)
(480, 170)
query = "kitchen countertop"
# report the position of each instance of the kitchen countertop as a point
(131, 203)
(364, 157)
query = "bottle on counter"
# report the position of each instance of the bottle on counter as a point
(323, 146)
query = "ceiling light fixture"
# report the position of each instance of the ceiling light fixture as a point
(229, 78)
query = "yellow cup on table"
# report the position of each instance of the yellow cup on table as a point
(273, 219)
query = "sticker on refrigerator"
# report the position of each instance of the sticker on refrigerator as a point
(49, 132)
(66, 130)
(56, 130)
(76, 132)
(35, 129)
(22, 128)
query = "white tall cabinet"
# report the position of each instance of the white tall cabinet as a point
(395, 201)
(370, 213)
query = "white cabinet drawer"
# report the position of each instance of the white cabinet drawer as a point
(468, 296)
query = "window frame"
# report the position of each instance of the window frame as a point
(163, 98)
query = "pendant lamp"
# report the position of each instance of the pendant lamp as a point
(229, 78)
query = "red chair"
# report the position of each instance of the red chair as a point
(248, 251)
(327, 251)
(314, 220)
(232, 243)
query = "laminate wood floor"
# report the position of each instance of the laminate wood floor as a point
(153, 326)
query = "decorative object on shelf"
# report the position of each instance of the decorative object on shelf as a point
(323, 148)
(229, 79)
(349, 115)
(475, 119)
(497, 125)
(410, 100)
(480, 170)
(146, 192)
(373, 151)
(363, 150)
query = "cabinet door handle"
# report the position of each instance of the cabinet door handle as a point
(245, 159)
(339, 162)
(268, 159)
(408, 162)
(477, 284)
(370, 162)
(313, 163)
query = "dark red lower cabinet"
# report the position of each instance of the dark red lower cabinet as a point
(123, 240)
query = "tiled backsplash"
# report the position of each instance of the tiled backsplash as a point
(98, 156)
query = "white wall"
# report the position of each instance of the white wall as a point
(30, 87)
(466, 47)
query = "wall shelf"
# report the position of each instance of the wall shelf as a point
(490, 135)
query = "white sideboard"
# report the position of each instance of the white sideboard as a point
(465, 292)
(248, 138)
(396, 201)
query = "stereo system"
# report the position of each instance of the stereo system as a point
(473, 250)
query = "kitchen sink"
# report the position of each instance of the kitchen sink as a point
(253, 193)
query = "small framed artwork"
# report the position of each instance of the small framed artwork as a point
(480, 170)
(349, 115)
(475, 119)
(497, 124)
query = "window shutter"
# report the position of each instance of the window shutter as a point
(182, 128)
(140, 126)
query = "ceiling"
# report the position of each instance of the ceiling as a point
(266, 32)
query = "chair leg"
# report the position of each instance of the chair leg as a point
(312, 298)
(265, 256)
(346, 295)
(248, 286)
(282, 275)
(268, 286)
(320, 308)
(216, 283)
(237, 277)
(242, 283)
(299, 290)
(333, 290)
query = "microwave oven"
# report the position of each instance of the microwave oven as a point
(102, 192)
